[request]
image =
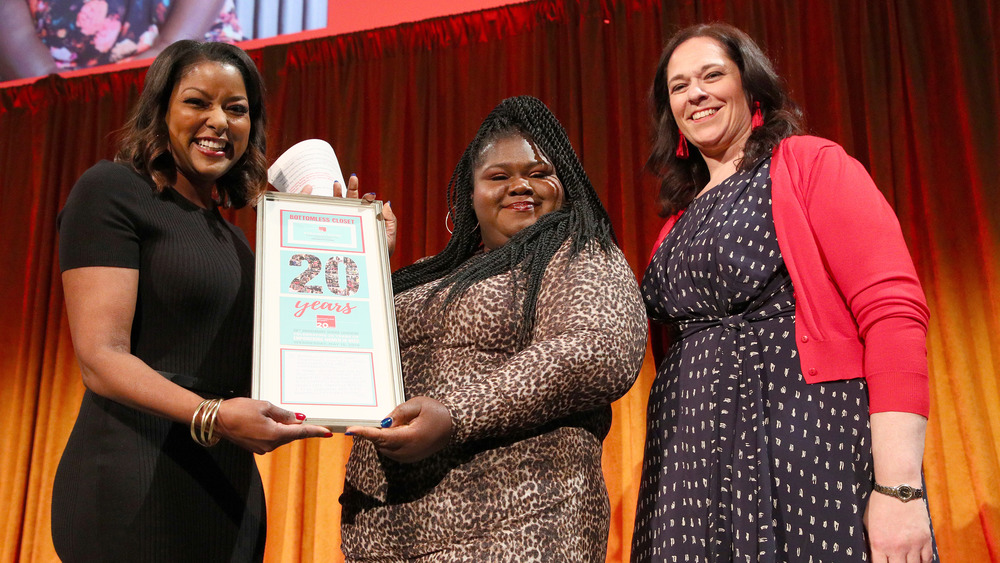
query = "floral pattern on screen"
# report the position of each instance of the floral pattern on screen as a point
(87, 33)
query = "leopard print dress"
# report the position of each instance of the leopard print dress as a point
(521, 479)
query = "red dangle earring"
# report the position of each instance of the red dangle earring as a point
(682, 146)
(758, 117)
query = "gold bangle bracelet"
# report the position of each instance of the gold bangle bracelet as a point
(203, 423)
(208, 425)
(194, 420)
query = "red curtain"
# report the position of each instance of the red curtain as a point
(911, 88)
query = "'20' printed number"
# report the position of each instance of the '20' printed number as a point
(313, 266)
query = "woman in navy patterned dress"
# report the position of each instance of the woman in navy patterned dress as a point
(795, 378)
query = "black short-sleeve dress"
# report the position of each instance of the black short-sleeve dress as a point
(132, 486)
(744, 460)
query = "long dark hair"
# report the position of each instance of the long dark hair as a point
(581, 220)
(145, 139)
(681, 178)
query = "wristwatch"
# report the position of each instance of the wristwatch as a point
(904, 493)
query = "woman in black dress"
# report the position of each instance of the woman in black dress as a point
(786, 422)
(159, 293)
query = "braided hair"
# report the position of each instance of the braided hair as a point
(526, 255)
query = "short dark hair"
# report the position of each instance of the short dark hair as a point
(145, 140)
(682, 179)
(581, 220)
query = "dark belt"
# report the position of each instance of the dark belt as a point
(200, 385)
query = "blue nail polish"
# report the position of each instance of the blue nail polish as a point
(370, 193)
(348, 433)
(389, 202)
(353, 174)
(386, 422)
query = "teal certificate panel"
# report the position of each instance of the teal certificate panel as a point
(325, 341)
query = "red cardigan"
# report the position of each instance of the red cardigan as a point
(859, 307)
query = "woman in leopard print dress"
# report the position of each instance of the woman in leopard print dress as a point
(514, 340)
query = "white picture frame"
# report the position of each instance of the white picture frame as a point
(325, 340)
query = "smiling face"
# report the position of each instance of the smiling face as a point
(707, 98)
(208, 121)
(514, 185)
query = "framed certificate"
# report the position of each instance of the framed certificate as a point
(325, 340)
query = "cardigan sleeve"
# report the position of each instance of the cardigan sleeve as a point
(867, 259)
(588, 344)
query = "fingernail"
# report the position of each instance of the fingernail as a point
(353, 174)
(386, 422)
(371, 194)
(300, 416)
(348, 433)
(389, 202)
(328, 435)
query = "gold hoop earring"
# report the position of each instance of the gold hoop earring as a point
(447, 216)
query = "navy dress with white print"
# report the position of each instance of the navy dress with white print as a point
(744, 460)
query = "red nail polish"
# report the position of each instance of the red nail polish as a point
(328, 435)
(300, 416)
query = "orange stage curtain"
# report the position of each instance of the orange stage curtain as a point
(911, 88)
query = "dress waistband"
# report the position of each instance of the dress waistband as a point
(200, 385)
(735, 322)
